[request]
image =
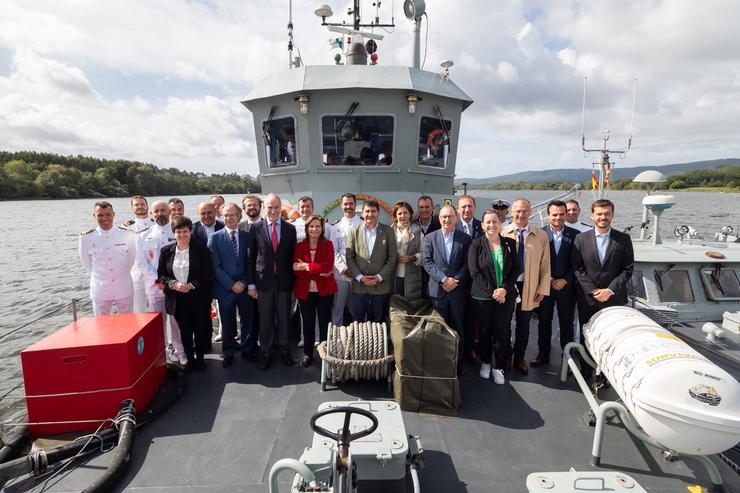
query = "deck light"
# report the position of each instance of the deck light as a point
(412, 99)
(303, 104)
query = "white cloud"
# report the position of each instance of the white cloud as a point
(160, 81)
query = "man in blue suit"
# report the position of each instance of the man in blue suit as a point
(468, 224)
(446, 261)
(207, 225)
(230, 250)
(562, 285)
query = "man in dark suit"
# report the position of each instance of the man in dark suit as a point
(426, 219)
(272, 263)
(603, 261)
(562, 284)
(231, 250)
(446, 262)
(371, 258)
(468, 224)
(207, 225)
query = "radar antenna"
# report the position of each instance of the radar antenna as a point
(601, 185)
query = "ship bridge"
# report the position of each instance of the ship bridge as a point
(382, 132)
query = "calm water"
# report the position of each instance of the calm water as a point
(40, 268)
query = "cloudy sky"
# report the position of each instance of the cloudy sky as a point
(160, 81)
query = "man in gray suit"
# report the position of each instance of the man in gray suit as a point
(371, 257)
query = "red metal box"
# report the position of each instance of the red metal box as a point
(83, 371)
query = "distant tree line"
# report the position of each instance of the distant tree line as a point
(726, 177)
(31, 175)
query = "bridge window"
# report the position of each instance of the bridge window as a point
(721, 285)
(434, 142)
(674, 286)
(364, 140)
(278, 135)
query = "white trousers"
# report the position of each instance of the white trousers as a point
(139, 296)
(342, 298)
(156, 304)
(105, 307)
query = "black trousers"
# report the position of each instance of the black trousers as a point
(523, 318)
(452, 310)
(315, 306)
(494, 320)
(565, 302)
(189, 313)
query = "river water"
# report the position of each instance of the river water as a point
(40, 270)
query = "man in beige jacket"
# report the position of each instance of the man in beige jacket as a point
(533, 249)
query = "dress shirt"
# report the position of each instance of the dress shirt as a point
(209, 229)
(557, 239)
(524, 235)
(602, 242)
(236, 235)
(447, 238)
(269, 229)
(181, 264)
(370, 235)
(425, 227)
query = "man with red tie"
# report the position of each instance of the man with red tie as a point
(272, 264)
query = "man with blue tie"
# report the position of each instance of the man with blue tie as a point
(231, 250)
(533, 283)
(445, 260)
(471, 226)
(272, 264)
(562, 285)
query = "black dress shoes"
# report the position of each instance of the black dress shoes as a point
(539, 361)
(287, 359)
(265, 361)
(227, 361)
(306, 361)
(473, 357)
(461, 371)
(250, 356)
(521, 366)
(200, 365)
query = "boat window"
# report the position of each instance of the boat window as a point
(357, 140)
(434, 141)
(721, 284)
(674, 285)
(637, 285)
(279, 138)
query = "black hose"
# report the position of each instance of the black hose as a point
(126, 421)
(13, 443)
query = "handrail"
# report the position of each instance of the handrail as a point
(48, 313)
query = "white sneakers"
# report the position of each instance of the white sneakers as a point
(487, 372)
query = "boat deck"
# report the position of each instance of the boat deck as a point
(231, 425)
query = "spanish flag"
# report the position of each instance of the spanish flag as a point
(594, 181)
(608, 174)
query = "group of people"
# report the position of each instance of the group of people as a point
(477, 273)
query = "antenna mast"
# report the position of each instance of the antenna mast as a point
(604, 163)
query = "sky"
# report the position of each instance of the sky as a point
(160, 81)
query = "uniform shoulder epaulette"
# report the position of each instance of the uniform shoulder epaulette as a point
(128, 223)
(87, 232)
(123, 227)
(145, 229)
(336, 222)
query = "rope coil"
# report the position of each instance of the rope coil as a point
(356, 352)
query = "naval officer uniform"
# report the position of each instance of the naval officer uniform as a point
(138, 226)
(108, 255)
(148, 248)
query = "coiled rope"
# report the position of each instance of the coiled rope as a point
(356, 352)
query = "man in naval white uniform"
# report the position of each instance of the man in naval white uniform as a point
(148, 249)
(572, 214)
(107, 254)
(339, 235)
(140, 223)
(305, 207)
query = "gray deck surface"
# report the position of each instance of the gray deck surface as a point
(231, 425)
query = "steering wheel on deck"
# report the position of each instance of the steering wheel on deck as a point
(343, 436)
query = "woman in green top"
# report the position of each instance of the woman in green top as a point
(493, 266)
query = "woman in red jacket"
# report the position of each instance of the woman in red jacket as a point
(313, 263)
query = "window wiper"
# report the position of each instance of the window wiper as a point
(442, 122)
(659, 275)
(266, 126)
(715, 278)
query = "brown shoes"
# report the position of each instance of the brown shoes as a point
(521, 366)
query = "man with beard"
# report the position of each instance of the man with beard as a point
(148, 249)
(252, 206)
(339, 234)
(140, 223)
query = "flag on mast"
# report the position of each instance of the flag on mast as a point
(608, 174)
(594, 181)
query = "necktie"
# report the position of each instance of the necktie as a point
(520, 250)
(234, 245)
(274, 237)
(466, 229)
